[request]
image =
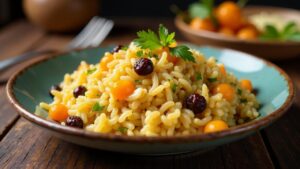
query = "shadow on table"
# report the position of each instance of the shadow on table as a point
(239, 154)
(119, 160)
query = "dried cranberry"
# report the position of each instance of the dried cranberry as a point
(74, 121)
(255, 91)
(196, 103)
(117, 48)
(54, 87)
(143, 66)
(79, 91)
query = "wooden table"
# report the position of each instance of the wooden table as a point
(24, 145)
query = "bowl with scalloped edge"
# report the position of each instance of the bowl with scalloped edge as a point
(30, 86)
(274, 50)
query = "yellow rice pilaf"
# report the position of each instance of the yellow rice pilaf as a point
(156, 106)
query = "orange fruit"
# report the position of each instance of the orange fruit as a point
(247, 33)
(229, 15)
(202, 24)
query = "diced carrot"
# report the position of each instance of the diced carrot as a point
(171, 58)
(215, 125)
(226, 90)
(58, 112)
(246, 84)
(104, 61)
(222, 69)
(123, 89)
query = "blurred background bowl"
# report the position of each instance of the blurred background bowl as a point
(273, 50)
(60, 15)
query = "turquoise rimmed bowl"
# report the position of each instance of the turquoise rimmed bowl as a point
(30, 86)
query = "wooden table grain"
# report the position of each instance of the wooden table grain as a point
(24, 145)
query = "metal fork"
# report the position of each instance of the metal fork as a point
(91, 35)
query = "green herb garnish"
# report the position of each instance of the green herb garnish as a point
(150, 40)
(147, 40)
(290, 32)
(122, 129)
(239, 91)
(166, 39)
(174, 87)
(97, 107)
(91, 71)
(138, 81)
(183, 52)
(243, 100)
(198, 76)
(211, 80)
(139, 53)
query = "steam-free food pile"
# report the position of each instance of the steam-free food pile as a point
(153, 87)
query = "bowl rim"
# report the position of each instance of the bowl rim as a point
(233, 131)
(183, 26)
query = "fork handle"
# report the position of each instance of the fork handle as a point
(7, 63)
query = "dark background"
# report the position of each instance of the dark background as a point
(162, 7)
(12, 9)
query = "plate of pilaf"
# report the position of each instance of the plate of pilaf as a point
(152, 96)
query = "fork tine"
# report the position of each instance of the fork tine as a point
(88, 33)
(102, 33)
(97, 28)
(91, 34)
(83, 33)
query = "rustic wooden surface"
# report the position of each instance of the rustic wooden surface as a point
(24, 145)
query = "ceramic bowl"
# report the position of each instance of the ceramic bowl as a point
(274, 50)
(60, 15)
(30, 86)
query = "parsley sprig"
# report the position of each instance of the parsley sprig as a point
(147, 40)
(166, 39)
(150, 40)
